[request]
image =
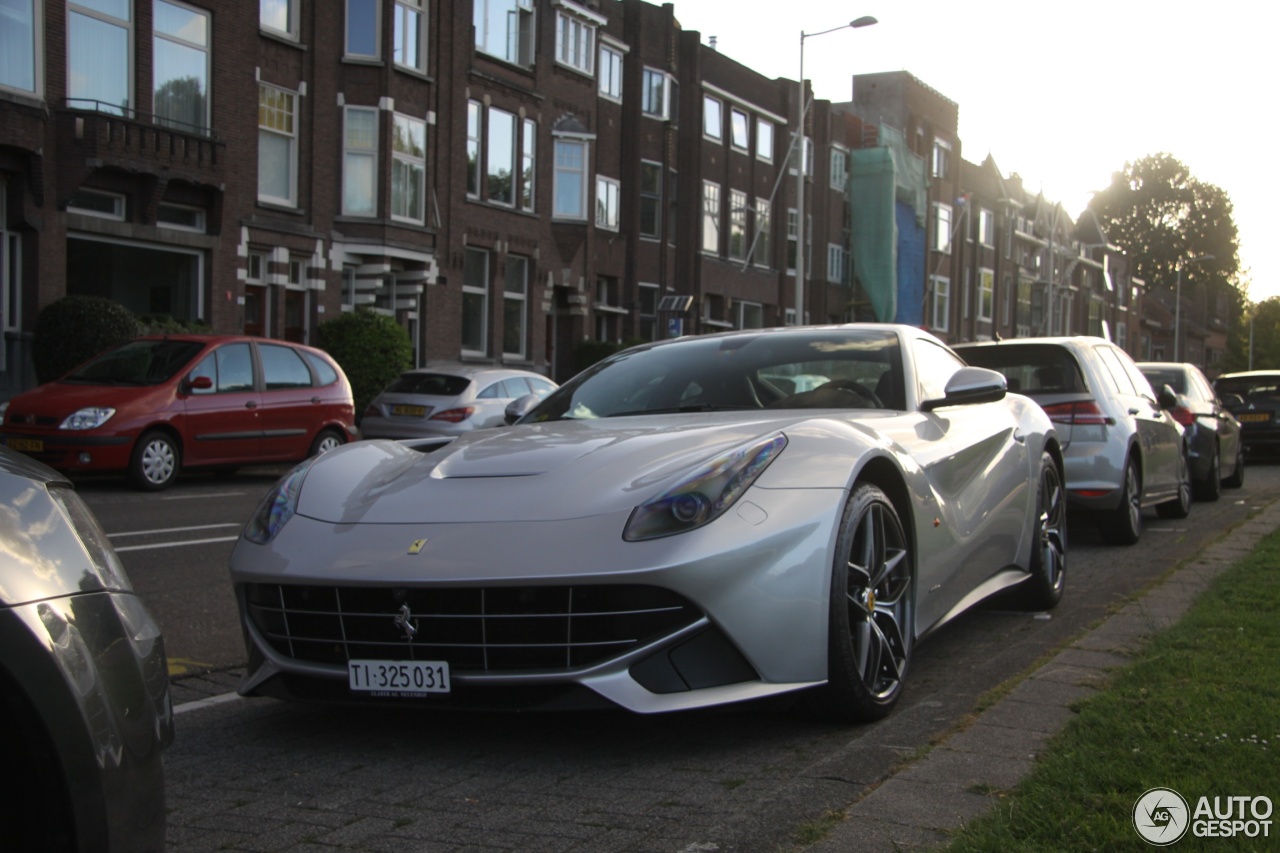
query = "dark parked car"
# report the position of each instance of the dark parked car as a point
(160, 403)
(84, 684)
(1123, 449)
(1254, 398)
(1214, 448)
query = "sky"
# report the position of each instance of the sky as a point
(1062, 93)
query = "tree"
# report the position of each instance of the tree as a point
(1263, 321)
(1163, 216)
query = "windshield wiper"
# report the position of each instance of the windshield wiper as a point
(679, 410)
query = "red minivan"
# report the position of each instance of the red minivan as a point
(164, 402)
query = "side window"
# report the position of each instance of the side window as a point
(282, 367)
(934, 368)
(493, 391)
(324, 370)
(541, 387)
(235, 368)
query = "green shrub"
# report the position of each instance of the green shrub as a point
(372, 350)
(163, 324)
(73, 329)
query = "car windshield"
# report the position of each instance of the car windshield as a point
(431, 384)
(838, 368)
(137, 363)
(1253, 389)
(1159, 376)
(1030, 368)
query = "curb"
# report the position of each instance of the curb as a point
(921, 806)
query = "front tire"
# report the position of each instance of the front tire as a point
(1043, 589)
(327, 440)
(155, 461)
(1179, 507)
(1123, 525)
(1210, 488)
(872, 609)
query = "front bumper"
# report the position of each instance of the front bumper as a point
(756, 583)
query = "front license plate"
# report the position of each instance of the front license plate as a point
(398, 677)
(26, 445)
(415, 411)
(1255, 417)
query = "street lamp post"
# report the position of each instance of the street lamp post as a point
(801, 248)
(1177, 305)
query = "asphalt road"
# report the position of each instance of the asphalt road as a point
(264, 775)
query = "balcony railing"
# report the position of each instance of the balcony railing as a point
(105, 129)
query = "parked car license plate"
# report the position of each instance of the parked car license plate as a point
(1255, 417)
(398, 676)
(26, 445)
(416, 411)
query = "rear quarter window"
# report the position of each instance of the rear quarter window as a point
(325, 374)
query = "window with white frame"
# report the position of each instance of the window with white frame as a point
(966, 295)
(10, 270)
(100, 56)
(647, 295)
(737, 225)
(839, 168)
(763, 254)
(180, 70)
(749, 315)
(941, 159)
(21, 45)
(986, 227)
(650, 199)
(182, 217)
(610, 72)
(360, 161)
(515, 307)
(942, 227)
(710, 217)
(764, 139)
(500, 157)
(408, 169)
(739, 129)
(575, 42)
(504, 29)
(570, 187)
(107, 205)
(279, 16)
(793, 239)
(986, 294)
(807, 148)
(608, 199)
(277, 145)
(473, 148)
(362, 29)
(475, 302)
(712, 118)
(528, 164)
(941, 302)
(409, 35)
(836, 255)
(655, 94)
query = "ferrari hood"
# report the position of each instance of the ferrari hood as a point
(537, 472)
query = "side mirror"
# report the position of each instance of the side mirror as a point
(519, 407)
(1166, 397)
(200, 383)
(971, 385)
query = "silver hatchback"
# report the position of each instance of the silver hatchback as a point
(1123, 449)
(449, 401)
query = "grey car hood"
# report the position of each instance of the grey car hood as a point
(536, 472)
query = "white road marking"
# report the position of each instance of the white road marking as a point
(176, 544)
(197, 704)
(172, 529)
(203, 495)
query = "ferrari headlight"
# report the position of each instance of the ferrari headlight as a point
(88, 418)
(705, 494)
(278, 506)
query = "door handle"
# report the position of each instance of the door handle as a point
(1018, 436)
(1133, 412)
(252, 404)
(315, 400)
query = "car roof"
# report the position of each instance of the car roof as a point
(472, 371)
(1247, 374)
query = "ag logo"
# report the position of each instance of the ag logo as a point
(1161, 816)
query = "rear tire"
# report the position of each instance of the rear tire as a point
(872, 609)
(327, 440)
(1123, 525)
(1043, 589)
(155, 461)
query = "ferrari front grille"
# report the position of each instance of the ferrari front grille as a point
(487, 629)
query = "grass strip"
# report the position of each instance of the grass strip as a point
(1198, 711)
